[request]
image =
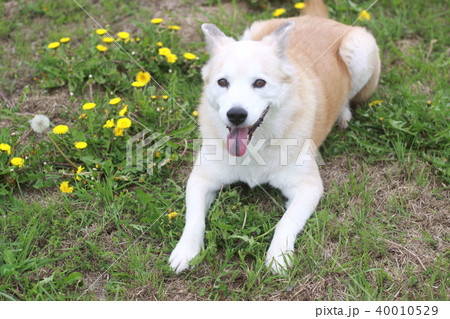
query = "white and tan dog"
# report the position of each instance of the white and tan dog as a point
(286, 82)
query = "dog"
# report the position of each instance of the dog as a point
(285, 83)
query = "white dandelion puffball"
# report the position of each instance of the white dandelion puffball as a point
(40, 123)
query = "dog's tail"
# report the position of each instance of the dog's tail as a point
(316, 8)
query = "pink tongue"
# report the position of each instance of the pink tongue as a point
(237, 141)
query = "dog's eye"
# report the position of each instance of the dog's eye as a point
(259, 83)
(223, 83)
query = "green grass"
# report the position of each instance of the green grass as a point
(379, 233)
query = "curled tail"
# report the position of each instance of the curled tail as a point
(316, 8)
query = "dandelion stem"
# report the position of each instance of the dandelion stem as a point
(90, 88)
(61, 152)
(18, 143)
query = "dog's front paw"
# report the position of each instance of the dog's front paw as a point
(182, 255)
(279, 259)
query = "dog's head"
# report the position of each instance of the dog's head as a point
(244, 78)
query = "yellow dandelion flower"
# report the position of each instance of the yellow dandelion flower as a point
(171, 58)
(158, 154)
(381, 118)
(53, 45)
(108, 40)
(123, 123)
(173, 27)
(159, 43)
(299, 5)
(189, 56)
(138, 39)
(64, 187)
(164, 51)
(428, 102)
(80, 145)
(109, 124)
(156, 20)
(124, 110)
(80, 169)
(153, 97)
(61, 129)
(123, 35)
(364, 15)
(101, 48)
(195, 113)
(5, 148)
(64, 40)
(115, 101)
(118, 131)
(100, 31)
(278, 12)
(165, 97)
(88, 106)
(172, 215)
(17, 161)
(138, 84)
(143, 77)
(83, 116)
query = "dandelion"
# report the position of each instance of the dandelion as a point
(428, 102)
(115, 101)
(5, 148)
(171, 58)
(172, 215)
(364, 15)
(158, 155)
(138, 39)
(279, 12)
(118, 131)
(101, 48)
(53, 45)
(153, 97)
(64, 40)
(100, 31)
(143, 77)
(83, 116)
(381, 118)
(165, 97)
(80, 145)
(156, 20)
(109, 124)
(159, 43)
(17, 161)
(108, 40)
(80, 169)
(195, 113)
(60, 129)
(299, 5)
(64, 187)
(138, 84)
(173, 27)
(123, 123)
(88, 106)
(40, 123)
(123, 35)
(123, 111)
(164, 52)
(189, 56)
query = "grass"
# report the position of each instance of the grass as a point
(380, 232)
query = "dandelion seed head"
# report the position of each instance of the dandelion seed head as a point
(40, 123)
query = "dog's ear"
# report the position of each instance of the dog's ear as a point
(214, 36)
(280, 37)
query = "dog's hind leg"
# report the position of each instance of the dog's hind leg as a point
(345, 116)
(360, 53)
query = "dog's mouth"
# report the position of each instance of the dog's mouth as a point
(238, 137)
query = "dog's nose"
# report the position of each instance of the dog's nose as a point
(237, 115)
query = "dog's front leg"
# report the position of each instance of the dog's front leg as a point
(303, 196)
(200, 193)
